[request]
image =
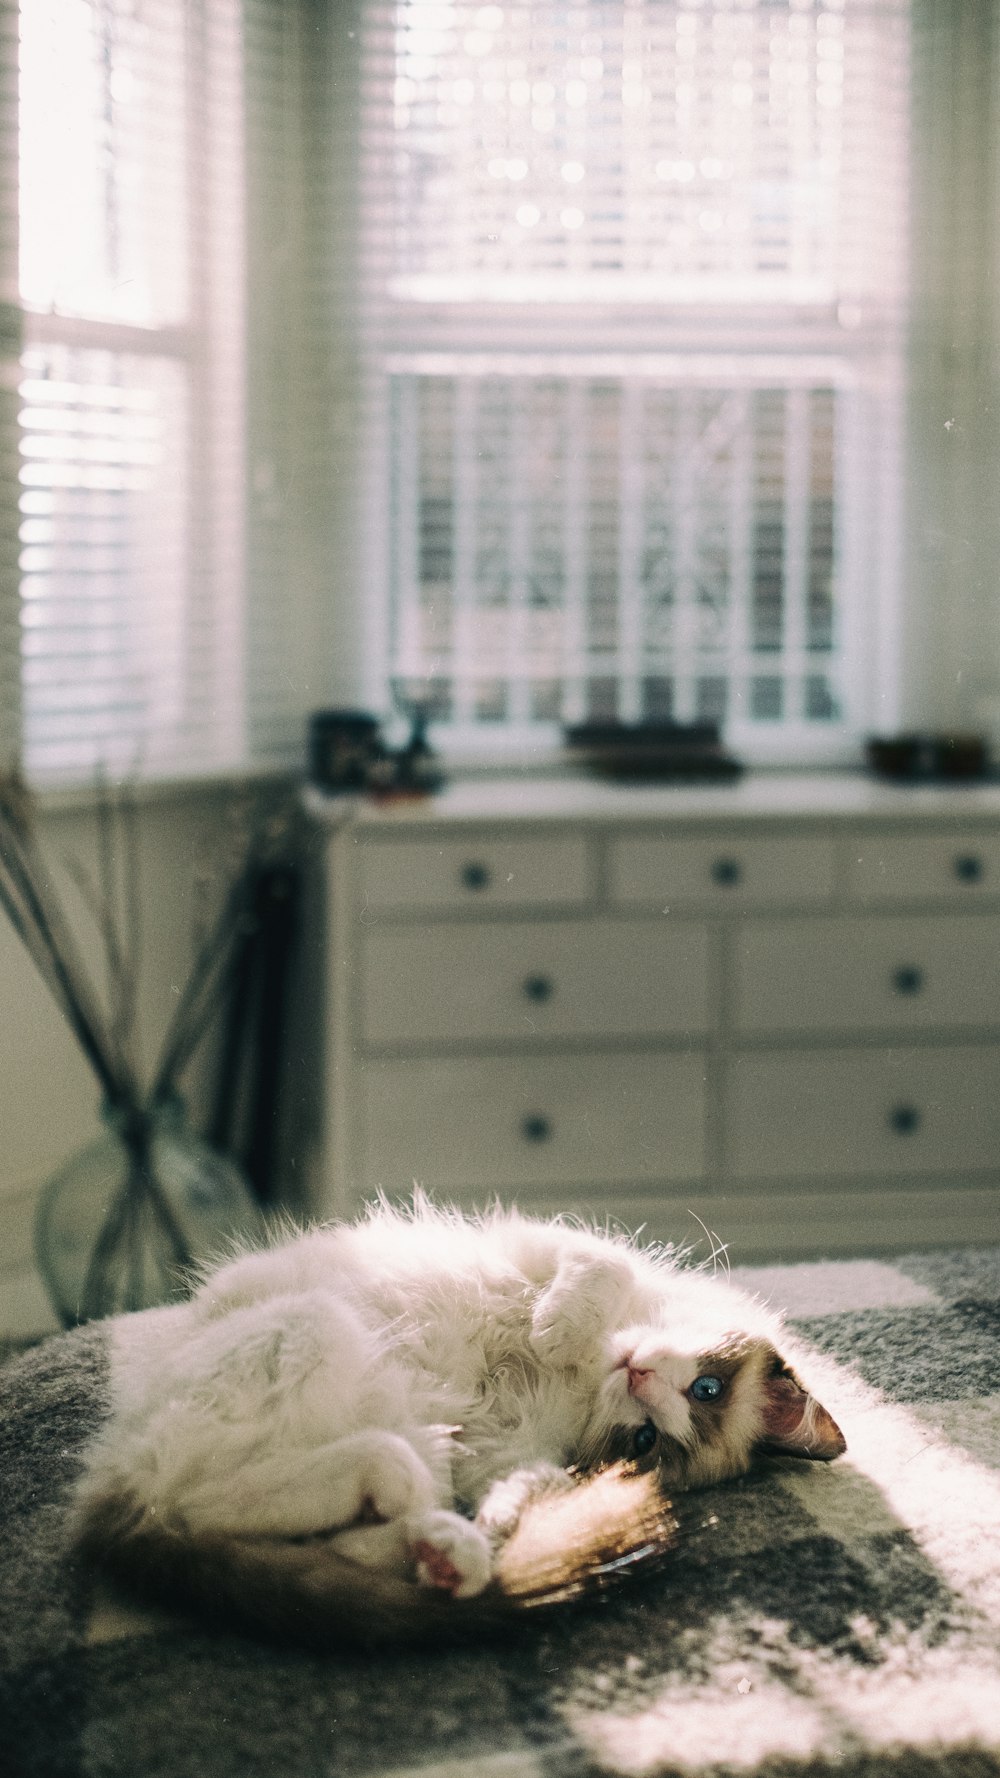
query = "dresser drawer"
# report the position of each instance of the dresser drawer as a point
(512, 1122)
(957, 867)
(454, 981)
(837, 974)
(726, 872)
(451, 873)
(803, 1115)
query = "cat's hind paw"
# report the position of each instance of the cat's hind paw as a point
(398, 1480)
(450, 1554)
(370, 1478)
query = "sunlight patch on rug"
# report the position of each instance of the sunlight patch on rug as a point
(931, 1701)
(839, 1285)
(479, 1765)
(764, 1694)
(949, 1503)
(687, 1726)
(973, 1424)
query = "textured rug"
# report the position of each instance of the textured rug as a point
(843, 1620)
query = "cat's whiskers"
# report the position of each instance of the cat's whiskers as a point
(719, 1249)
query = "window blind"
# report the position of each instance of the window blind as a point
(635, 284)
(10, 338)
(131, 282)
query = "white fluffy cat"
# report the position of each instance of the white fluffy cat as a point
(338, 1432)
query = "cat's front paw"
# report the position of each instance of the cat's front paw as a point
(570, 1320)
(507, 1498)
(449, 1553)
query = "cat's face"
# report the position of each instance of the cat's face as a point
(701, 1413)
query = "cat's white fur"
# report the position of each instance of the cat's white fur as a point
(378, 1383)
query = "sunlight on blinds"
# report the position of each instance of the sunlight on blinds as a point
(10, 340)
(636, 280)
(131, 467)
(104, 159)
(641, 150)
(103, 514)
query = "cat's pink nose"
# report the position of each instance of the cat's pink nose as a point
(637, 1373)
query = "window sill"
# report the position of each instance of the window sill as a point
(579, 796)
(55, 798)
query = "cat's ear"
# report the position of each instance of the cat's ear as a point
(795, 1423)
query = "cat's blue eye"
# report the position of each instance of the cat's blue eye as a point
(644, 1438)
(706, 1388)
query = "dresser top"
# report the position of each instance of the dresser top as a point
(757, 795)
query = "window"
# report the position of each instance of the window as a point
(557, 358)
(130, 285)
(636, 302)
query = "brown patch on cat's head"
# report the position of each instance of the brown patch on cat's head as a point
(763, 1409)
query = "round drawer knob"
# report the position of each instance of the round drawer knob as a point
(968, 867)
(904, 1119)
(908, 979)
(726, 871)
(475, 875)
(536, 1127)
(538, 988)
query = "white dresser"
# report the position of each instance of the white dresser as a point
(773, 1007)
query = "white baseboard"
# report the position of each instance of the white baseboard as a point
(754, 1227)
(825, 1224)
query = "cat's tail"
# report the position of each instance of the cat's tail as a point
(567, 1547)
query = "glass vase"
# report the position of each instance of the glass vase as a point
(120, 1225)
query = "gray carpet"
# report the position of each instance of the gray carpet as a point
(840, 1620)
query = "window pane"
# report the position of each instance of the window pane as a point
(640, 544)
